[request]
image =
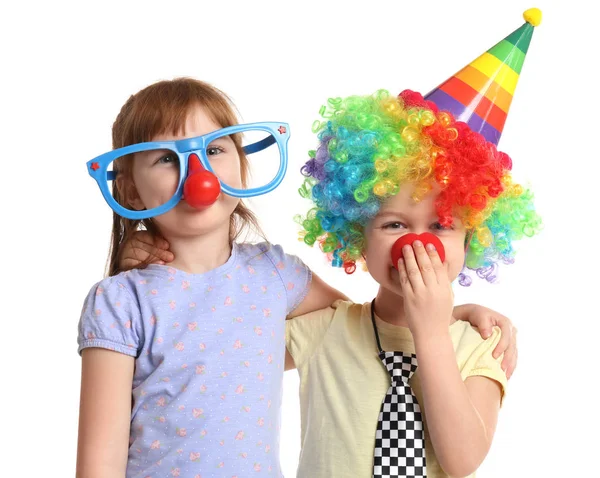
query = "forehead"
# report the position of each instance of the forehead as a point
(198, 122)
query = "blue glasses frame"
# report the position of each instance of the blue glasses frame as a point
(279, 134)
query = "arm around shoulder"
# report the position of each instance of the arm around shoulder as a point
(306, 292)
(320, 296)
(104, 413)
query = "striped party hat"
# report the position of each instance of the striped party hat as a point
(481, 93)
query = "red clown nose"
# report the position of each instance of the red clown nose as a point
(201, 188)
(408, 239)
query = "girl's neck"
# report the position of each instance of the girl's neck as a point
(200, 254)
(389, 307)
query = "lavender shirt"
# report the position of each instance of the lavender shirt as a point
(209, 353)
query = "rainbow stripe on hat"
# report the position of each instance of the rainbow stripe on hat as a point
(481, 93)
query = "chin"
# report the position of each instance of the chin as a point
(394, 276)
(395, 289)
(388, 280)
(185, 220)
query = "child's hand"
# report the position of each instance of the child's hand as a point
(427, 291)
(485, 319)
(142, 248)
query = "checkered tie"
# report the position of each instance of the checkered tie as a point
(399, 441)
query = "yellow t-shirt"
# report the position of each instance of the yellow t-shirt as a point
(343, 382)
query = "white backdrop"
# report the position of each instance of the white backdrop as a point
(68, 68)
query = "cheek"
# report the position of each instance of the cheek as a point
(156, 189)
(378, 257)
(229, 202)
(163, 183)
(455, 257)
(229, 172)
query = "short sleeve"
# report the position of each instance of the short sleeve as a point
(294, 274)
(482, 363)
(110, 319)
(303, 334)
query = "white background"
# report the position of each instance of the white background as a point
(68, 68)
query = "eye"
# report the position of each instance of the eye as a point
(214, 150)
(168, 158)
(438, 227)
(393, 225)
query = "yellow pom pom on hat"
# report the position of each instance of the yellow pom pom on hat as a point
(481, 93)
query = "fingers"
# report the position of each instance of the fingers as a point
(162, 255)
(143, 248)
(141, 251)
(428, 274)
(403, 274)
(158, 249)
(161, 243)
(413, 271)
(441, 270)
(423, 265)
(484, 324)
(485, 332)
(141, 238)
(507, 345)
(507, 335)
(509, 362)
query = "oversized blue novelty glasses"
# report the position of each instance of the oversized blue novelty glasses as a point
(196, 169)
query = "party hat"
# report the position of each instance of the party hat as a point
(481, 93)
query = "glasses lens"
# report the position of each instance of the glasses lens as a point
(144, 180)
(258, 165)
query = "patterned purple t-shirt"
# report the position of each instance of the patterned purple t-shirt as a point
(209, 353)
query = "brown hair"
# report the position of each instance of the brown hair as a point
(164, 107)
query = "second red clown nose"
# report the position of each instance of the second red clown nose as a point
(408, 239)
(201, 188)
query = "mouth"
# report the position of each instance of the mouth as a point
(203, 208)
(189, 208)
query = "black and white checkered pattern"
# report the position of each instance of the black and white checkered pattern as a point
(399, 442)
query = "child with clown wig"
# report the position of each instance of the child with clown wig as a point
(387, 166)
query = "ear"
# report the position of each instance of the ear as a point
(128, 193)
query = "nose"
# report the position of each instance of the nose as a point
(408, 239)
(201, 188)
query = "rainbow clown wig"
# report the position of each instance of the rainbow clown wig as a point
(370, 146)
